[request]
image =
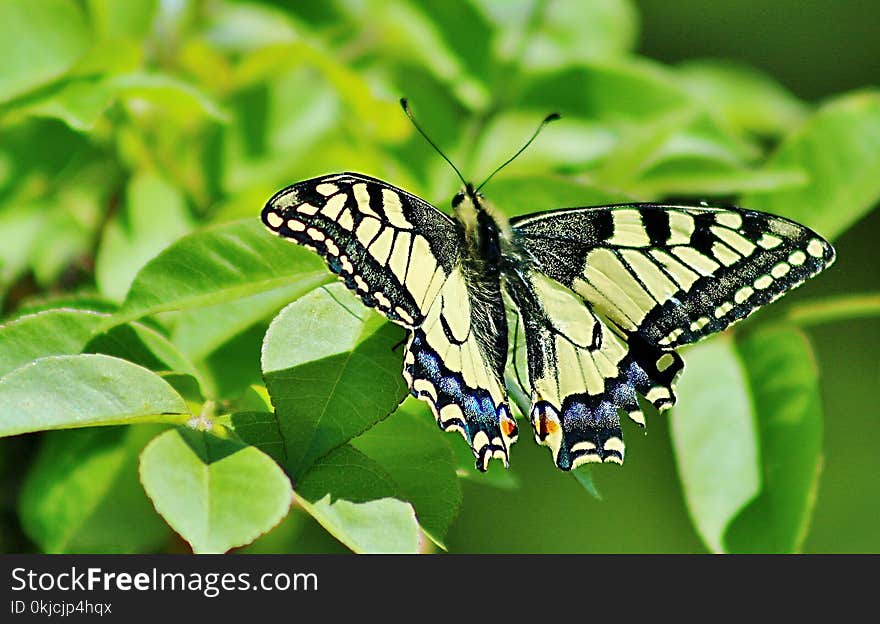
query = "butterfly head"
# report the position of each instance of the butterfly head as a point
(468, 197)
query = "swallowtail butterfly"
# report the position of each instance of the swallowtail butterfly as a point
(605, 295)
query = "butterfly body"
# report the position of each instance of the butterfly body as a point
(604, 295)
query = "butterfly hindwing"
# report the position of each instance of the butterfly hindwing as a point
(453, 363)
(401, 256)
(582, 373)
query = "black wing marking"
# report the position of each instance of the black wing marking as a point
(402, 256)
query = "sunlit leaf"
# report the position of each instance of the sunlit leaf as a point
(331, 371)
(745, 98)
(131, 18)
(52, 332)
(218, 264)
(611, 90)
(839, 150)
(385, 525)
(217, 494)
(65, 391)
(715, 438)
(39, 41)
(784, 383)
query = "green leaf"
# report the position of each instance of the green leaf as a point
(132, 18)
(744, 97)
(610, 90)
(571, 144)
(405, 457)
(702, 179)
(260, 429)
(220, 263)
(65, 391)
(201, 331)
(82, 494)
(522, 195)
(839, 149)
(216, 493)
(346, 473)
(183, 101)
(145, 346)
(584, 476)
(569, 32)
(715, 438)
(386, 525)
(81, 101)
(155, 215)
(465, 31)
(639, 146)
(39, 41)
(78, 102)
(331, 372)
(52, 332)
(782, 376)
(410, 447)
(377, 116)
(404, 35)
(747, 434)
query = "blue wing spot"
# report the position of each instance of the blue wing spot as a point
(476, 404)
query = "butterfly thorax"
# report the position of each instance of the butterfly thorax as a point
(485, 234)
(486, 231)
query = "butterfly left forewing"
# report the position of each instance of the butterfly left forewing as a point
(391, 248)
(402, 256)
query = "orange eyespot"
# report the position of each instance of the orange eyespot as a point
(508, 427)
(546, 426)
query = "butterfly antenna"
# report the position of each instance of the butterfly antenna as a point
(405, 105)
(547, 119)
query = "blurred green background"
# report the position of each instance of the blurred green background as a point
(205, 108)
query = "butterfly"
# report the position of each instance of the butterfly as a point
(604, 294)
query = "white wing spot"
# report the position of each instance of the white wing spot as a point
(763, 282)
(327, 189)
(768, 241)
(743, 294)
(780, 270)
(729, 219)
(274, 219)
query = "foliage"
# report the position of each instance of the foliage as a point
(141, 293)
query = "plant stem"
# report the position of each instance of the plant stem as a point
(839, 308)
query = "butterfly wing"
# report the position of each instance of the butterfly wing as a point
(401, 256)
(650, 278)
